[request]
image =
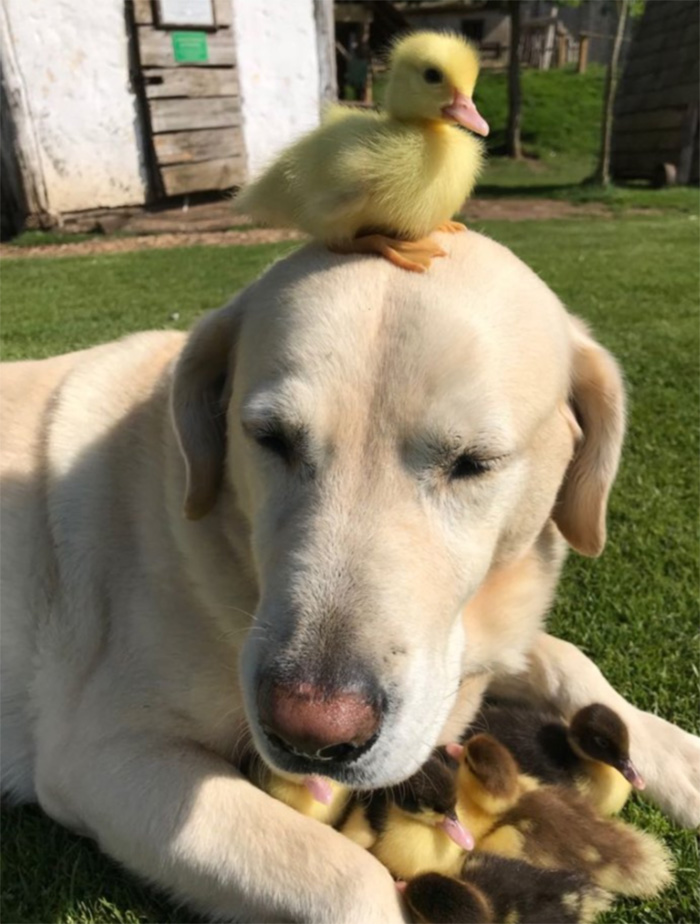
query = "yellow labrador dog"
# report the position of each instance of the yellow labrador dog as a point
(379, 473)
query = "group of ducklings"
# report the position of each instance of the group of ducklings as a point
(511, 825)
(381, 182)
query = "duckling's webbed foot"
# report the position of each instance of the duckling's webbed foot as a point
(415, 256)
(451, 227)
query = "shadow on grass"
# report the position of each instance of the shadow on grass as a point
(58, 876)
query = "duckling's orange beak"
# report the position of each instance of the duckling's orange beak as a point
(463, 111)
(456, 831)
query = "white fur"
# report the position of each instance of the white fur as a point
(128, 664)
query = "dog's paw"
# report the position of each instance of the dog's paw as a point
(669, 760)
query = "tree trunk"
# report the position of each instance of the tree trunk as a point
(602, 172)
(514, 94)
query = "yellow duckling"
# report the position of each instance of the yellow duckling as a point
(489, 783)
(314, 796)
(554, 827)
(591, 752)
(412, 828)
(367, 182)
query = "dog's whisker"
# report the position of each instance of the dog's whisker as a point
(231, 606)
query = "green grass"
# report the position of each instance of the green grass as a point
(634, 610)
(51, 306)
(561, 110)
(561, 116)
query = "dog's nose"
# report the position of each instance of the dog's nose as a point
(315, 722)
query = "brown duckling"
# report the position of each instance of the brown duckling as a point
(314, 796)
(497, 889)
(413, 828)
(591, 752)
(438, 899)
(489, 783)
(555, 827)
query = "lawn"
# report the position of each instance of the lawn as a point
(634, 610)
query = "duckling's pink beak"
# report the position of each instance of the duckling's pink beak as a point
(456, 832)
(463, 110)
(319, 788)
(631, 774)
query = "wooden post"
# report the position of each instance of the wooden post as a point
(514, 92)
(562, 50)
(583, 53)
(366, 51)
(602, 173)
(325, 44)
(549, 39)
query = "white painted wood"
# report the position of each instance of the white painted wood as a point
(80, 126)
(278, 73)
(190, 13)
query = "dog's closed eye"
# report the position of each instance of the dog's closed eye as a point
(468, 466)
(286, 441)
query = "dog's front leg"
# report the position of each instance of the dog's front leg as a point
(667, 757)
(187, 821)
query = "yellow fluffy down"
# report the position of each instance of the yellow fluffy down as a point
(362, 171)
(409, 847)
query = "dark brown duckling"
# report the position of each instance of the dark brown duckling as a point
(554, 827)
(496, 889)
(438, 899)
(591, 752)
(413, 828)
(519, 891)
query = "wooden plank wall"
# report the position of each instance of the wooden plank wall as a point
(656, 108)
(194, 109)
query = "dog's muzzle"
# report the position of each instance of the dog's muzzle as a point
(310, 721)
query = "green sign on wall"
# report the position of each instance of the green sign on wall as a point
(190, 47)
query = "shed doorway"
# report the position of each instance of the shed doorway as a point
(184, 69)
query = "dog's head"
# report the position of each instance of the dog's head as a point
(392, 440)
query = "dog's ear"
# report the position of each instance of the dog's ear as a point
(597, 401)
(199, 399)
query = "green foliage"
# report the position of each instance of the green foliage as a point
(561, 110)
(633, 610)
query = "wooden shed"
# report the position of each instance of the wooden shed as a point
(189, 87)
(122, 104)
(655, 129)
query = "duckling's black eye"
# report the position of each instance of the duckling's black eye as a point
(467, 466)
(432, 75)
(601, 743)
